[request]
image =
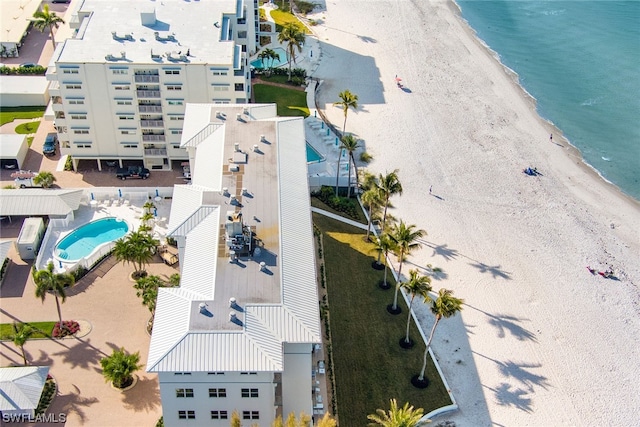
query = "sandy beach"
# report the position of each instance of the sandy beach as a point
(541, 341)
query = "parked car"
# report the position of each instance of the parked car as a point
(49, 147)
(133, 172)
(321, 368)
(29, 65)
(24, 179)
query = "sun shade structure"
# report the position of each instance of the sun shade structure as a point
(36, 201)
(21, 387)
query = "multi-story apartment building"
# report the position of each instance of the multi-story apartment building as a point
(120, 85)
(239, 333)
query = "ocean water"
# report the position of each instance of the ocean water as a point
(581, 61)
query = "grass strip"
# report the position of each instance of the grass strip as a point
(370, 366)
(43, 330)
(290, 102)
(9, 114)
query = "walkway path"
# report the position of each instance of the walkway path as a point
(339, 218)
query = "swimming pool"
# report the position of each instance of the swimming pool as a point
(82, 241)
(312, 155)
(257, 64)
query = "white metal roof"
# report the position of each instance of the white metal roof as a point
(5, 245)
(278, 307)
(11, 144)
(38, 201)
(21, 387)
(15, 16)
(23, 85)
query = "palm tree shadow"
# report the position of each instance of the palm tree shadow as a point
(72, 402)
(443, 250)
(82, 355)
(495, 271)
(504, 323)
(145, 396)
(518, 371)
(516, 398)
(367, 39)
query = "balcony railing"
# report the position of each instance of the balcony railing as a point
(150, 108)
(147, 79)
(148, 93)
(155, 152)
(149, 138)
(152, 123)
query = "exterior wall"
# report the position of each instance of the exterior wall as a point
(24, 99)
(296, 379)
(202, 405)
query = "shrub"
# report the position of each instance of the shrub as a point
(35, 71)
(68, 165)
(70, 327)
(304, 7)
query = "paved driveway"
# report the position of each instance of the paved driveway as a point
(117, 318)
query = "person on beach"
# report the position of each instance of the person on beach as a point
(430, 187)
(550, 137)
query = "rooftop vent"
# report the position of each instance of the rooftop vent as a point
(232, 302)
(236, 147)
(148, 17)
(232, 316)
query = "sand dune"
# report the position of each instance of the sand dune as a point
(541, 340)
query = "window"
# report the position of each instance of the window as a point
(176, 117)
(217, 392)
(75, 101)
(250, 415)
(249, 392)
(78, 116)
(83, 145)
(239, 86)
(177, 146)
(219, 72)
(81, 131)
(126, 117)
(174, 87)
(187, 415)
(242, 34)
(76, 86)
(220, 88)
(130, 146)
(67, 71)
(184, 392)
(123, 102)
(133, 132)
(179, 132)
(122, 87)
(248, 373)
(120, 71)
(172, 71)
(175, 102)
(219, 415)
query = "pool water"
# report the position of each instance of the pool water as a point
(312, 155)
(257, 64)
(82, 241)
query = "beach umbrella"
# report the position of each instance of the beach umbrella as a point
(398, 79)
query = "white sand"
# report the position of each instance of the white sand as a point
(541, 341)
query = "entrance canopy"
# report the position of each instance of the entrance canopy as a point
(36, 201)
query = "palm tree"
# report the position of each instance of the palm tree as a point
(45, 179)
(268, 55)
(406, 416)
(389, 185)
(326, 421)
(383, 244)
(119, 367)
(21, 334)
(347, 100)
(293, 38)
(446, 305)
(404, 239)
(48, 281)
(292, 421)
(235, 419)
(145, 225)
(137, 248)
(372, 200)
(417, 285)
(46, 19)
(350, 144)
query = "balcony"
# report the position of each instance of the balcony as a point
(139, 78)
(153, 138)
(155, 152)
(150, 108)
(152, 123)
(148, 93)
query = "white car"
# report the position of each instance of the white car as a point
(321, 369)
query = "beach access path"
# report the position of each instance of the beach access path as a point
(540, 341)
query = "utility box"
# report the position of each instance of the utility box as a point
(30, 238)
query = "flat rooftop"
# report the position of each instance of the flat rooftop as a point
(130, 26)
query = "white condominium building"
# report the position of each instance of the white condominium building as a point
(239, 332)
(120, 85)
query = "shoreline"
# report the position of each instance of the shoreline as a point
(540, 340)
(528, 97)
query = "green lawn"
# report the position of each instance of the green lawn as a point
(370, 366)
(27, 128)
(46, 328)
(291, 102)
(317, 203)
(281, 18)
(8, 114)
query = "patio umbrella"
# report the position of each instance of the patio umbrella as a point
(398, 79)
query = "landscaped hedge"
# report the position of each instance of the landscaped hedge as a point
(345, 205)
(33, 71)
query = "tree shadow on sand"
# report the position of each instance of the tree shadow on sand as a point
(72, 403)
(505, 396)
(145, 396)
(82, 355)
(496, 271)
(504, 323)
(442, 250)
(520, 372)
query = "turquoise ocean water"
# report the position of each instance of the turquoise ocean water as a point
(581, 61)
